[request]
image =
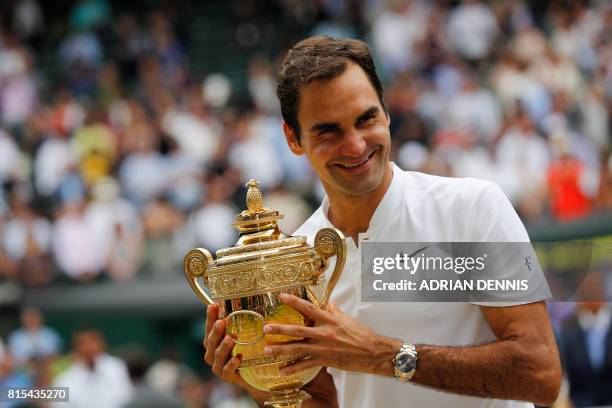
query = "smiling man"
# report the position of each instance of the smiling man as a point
(444, 354)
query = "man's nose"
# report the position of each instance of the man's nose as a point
(353, 143)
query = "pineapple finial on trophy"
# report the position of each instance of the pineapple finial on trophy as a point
(254, 198)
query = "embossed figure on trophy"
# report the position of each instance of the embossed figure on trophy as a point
(245, 281)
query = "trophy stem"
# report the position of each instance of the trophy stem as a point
(293, 399)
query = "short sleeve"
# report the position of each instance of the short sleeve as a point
(511, 259)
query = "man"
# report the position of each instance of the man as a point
(586, 343)
(33, 339)
(95, 378)
(466, 355)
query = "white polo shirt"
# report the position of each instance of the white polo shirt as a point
(419, 207)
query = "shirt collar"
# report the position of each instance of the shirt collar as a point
(385, 207)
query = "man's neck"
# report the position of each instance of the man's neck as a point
(352, 214)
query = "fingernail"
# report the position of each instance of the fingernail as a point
(228, 340)
(283, 297)
(268, 350)
(267, 329)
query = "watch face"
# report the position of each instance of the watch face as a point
(405, 363)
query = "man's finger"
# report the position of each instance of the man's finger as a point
(297, 348)
(229, 370)
(300, 365)
(293, 330)
(304, 307)
(222, 355)
(212, 313)
(213, 340)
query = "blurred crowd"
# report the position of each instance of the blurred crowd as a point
(116, 157)
(33, 358)
(122, 159)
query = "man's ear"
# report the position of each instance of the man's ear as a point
(292, 140)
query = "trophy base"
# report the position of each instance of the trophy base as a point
(293, 399)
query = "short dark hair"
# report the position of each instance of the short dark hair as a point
(320, 58)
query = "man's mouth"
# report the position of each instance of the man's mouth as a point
(355, 165)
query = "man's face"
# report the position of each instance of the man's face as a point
(88, 346)
(344, 132)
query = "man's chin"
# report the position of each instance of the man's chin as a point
(358, 189)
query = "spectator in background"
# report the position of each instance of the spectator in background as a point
(586, 345)
(12, 378)
(133, 42)
(211, 225)
(143, 170)
(396, 31)
(475, 109)
(74, 243)
(193, 128)
(80, 55)
(162, 223)
(94, 377)
(568, 184)
(116, 228)
(144, 396)
(168, 51)
(253, 154)
(54, 159)
(18, 90)
(472, 29)
(168, 374)
(261, 84)
(96, 147)
(10, 158)
(33, 339)
(28, 20)
(27, 241)
(522, 157)
(604, 196)
(195, 392)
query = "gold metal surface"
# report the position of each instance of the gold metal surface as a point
(246, 280)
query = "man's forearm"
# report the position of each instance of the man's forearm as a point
(503, 369)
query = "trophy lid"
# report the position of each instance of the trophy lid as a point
(263, 259)
(259, 231)
(256, 217)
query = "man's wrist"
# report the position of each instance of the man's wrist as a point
(387, 350)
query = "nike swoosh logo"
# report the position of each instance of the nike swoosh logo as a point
(418, 251)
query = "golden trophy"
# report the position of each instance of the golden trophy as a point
(245, 281)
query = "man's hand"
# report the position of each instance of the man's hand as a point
(336, 340)
(218, 347)
(218, 355)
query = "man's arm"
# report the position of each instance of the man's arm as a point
(522, 364)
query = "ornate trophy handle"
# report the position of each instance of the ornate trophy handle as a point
(329, 242)
(194, 265)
